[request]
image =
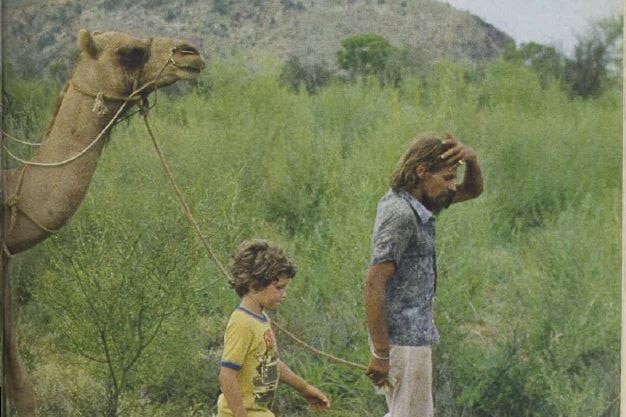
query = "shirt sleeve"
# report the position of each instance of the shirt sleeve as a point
(237, 340)
(393, 231)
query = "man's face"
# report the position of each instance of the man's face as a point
(438, 189)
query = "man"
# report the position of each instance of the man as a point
(401, 279)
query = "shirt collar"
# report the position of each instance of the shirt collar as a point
(261, 317)
(422, 212)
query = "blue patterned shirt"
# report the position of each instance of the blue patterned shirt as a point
(404, 232)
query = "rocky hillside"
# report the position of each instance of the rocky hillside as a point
(39, 36)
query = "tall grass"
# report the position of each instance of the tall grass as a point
(529, 273)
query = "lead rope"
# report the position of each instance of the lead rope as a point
(220, 266)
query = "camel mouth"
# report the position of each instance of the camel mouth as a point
(192, 68)
(188, 59)
(189, 71)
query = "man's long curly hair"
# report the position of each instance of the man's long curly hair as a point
(256, 264)
(425, 148)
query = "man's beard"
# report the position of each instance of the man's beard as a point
(438, 203)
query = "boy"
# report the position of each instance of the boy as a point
(250, 368)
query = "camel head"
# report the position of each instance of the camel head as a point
(114, 63)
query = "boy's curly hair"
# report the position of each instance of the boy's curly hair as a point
(256, 264)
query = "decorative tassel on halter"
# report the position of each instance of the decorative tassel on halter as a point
(98, 105)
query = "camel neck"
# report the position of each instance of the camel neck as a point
(51, 195)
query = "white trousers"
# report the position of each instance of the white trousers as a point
(412, 370)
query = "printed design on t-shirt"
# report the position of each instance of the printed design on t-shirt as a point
(265, 381)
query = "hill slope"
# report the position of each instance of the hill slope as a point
(40, 34)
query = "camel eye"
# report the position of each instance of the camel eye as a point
(132, 56)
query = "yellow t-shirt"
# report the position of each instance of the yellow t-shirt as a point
(250, 347)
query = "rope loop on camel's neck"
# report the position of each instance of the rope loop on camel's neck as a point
(13, 204)
(23, 142)
(75, 157)
(103, 96)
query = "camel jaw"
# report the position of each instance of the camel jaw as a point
(179, 74)
(189, 71)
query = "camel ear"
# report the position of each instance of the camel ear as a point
(87, 44)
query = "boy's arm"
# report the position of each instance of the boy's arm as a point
(232, 392)
(314, 396)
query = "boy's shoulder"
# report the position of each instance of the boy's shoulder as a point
(243, 316)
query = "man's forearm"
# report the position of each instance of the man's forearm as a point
(375, 307)
(473, 178)
(472, 185)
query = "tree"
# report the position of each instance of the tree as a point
(368, 54)
(296, 73)
(597, 59)
(110, 297)
(547, 62)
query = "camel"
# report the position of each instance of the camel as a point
(40, 197)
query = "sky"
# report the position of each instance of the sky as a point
(549, 22)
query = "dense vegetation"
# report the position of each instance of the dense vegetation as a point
(528, 301)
